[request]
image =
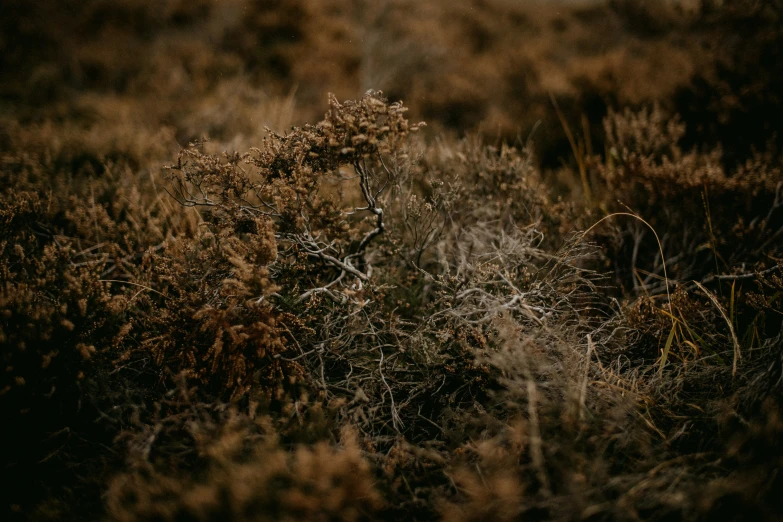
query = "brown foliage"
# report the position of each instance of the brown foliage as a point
(345, 320)
(202, 461)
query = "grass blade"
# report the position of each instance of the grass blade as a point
(666, 348)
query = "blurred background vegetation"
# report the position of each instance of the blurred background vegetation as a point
(220, 68)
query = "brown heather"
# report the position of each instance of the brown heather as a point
(369, 319)
(239, 468)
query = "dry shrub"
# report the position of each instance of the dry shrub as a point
(57, 320)
(225, 336)
(451, 254)
(76, 222)
(733, 101)
(200, 460)
(705, 305)
(271, 231)
(322, 483)
(689, 198)
(46, 301)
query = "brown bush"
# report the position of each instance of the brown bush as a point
(201, 460)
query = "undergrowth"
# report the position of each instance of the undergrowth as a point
(357, 320)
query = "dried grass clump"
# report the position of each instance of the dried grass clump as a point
(582, 435)
(557, 440)
(694, 247)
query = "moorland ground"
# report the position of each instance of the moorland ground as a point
(227, 294)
